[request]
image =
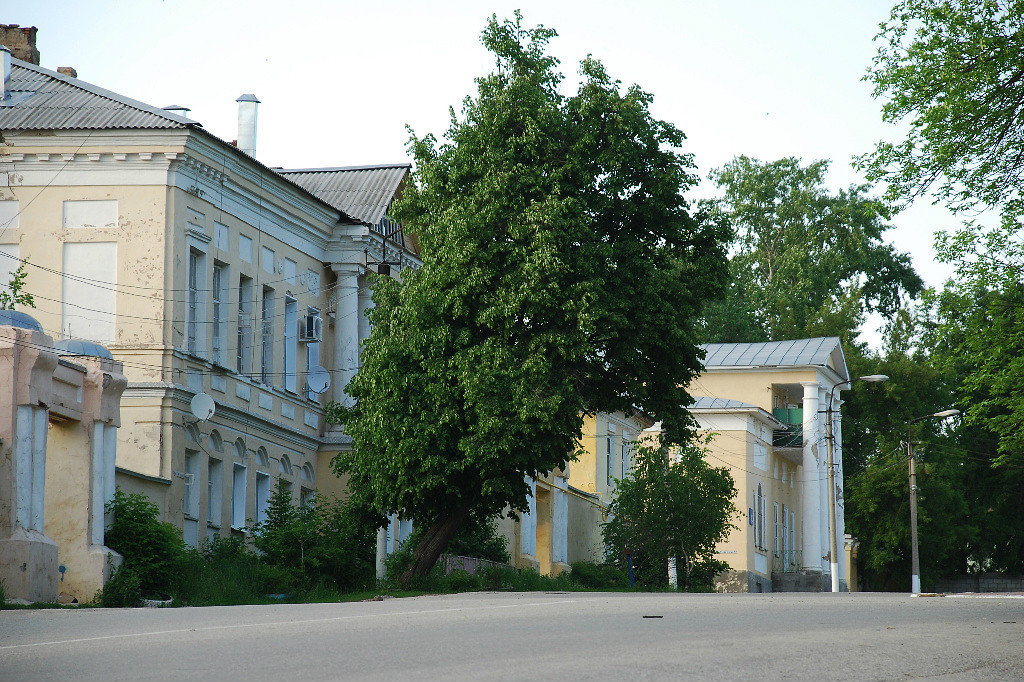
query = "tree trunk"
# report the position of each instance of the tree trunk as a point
(434, 541)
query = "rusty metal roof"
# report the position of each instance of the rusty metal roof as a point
(363, 192)
(40, 99)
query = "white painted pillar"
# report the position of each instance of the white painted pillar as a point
(528, 523)
(346, 331)
(23, 466)
(98, 490)
(39, 426)
(840, 490)
(560, 523)
(382, 551)
(810, 494)
(823, 499)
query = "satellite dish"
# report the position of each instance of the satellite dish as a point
(318, 380)
(203, 406)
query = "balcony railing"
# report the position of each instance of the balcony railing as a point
(793, 435)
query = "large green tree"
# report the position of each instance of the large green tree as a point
(562, 273)
(952, 71)
(806, 261)
(674, 505)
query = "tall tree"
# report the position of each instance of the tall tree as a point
(562, 273)
(953, 72)
(806, 261)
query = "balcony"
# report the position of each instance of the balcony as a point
(792, 436)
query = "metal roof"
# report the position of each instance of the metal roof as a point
(708, 403)
(797, 353)
(40, 99)
(363, 192)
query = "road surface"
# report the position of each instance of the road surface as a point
(529, 636)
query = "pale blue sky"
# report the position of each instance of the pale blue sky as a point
(338, 81)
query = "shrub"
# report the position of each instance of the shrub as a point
(593, 576)
(462, 581)
(124, 588)
(152, 549)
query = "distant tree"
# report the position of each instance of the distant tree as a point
(952, 71)
(806, 261)
(15, 293)
(673, 505)
(561, 273)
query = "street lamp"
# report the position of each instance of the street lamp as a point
(915, 559)
(833, 548)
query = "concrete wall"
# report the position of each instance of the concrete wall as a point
(981, 582)
(585, 540)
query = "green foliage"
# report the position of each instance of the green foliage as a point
(152, 549)
(593, 576)
(480, 538)
(806, 261)
(952, 71)
(561, 273)
(675, 505)
(324, 541)
(124, 588)
(15, 293)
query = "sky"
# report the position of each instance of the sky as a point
(340, 81)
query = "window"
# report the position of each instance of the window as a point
(291, 271)
(262, 496)
(610, 448)
(785, 536)
(243, 361)
(312, 359)
(778, 529)
(238, 496)
(221, 238)
(267, 259)
(215, 484)
(9, 213)
(291, 344)
(284, 466)
(192, 323)
(220, 309)
(625, 454)
(267, 336)
(305, 497)
(8, 254)
(792, 537)
(245, 248)
(190, 503)
(90, 213)
(759, 520)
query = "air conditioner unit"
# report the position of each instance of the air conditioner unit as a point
(313, 329)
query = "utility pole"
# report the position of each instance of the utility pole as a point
(915, 559)
(833, 549)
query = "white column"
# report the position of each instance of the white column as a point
(528, 523)
(346, 330)
(23, 466)
(98, 490)
(837, 426)
(560, 523)
(823, 499)
(811, 490)
(39, 426)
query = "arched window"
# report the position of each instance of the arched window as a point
(216, 442)
(193, 432)
(240, 449)
(307, 472)
(261, 457)
(284, 465)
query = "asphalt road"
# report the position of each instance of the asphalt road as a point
(529, 636)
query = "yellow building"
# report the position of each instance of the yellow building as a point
(203, 271)
(765, 405)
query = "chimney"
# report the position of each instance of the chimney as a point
(67, 71)
(178, 109)
(247, 105)
(5, 57)
(21, 42)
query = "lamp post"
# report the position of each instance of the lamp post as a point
(915, 559)
(833, 548)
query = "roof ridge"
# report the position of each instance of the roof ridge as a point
(335, 169)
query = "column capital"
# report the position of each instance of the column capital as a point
(347, 269)
(810, 389)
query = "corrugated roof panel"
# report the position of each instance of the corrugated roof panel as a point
(710, 403)
(61, 102)
(363, 192)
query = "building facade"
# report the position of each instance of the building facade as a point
(203, 271)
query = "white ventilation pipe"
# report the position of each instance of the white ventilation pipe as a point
(247, 105)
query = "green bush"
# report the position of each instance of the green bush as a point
(462, 581)
(152, 549)
(124, 588)
(593, 576)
